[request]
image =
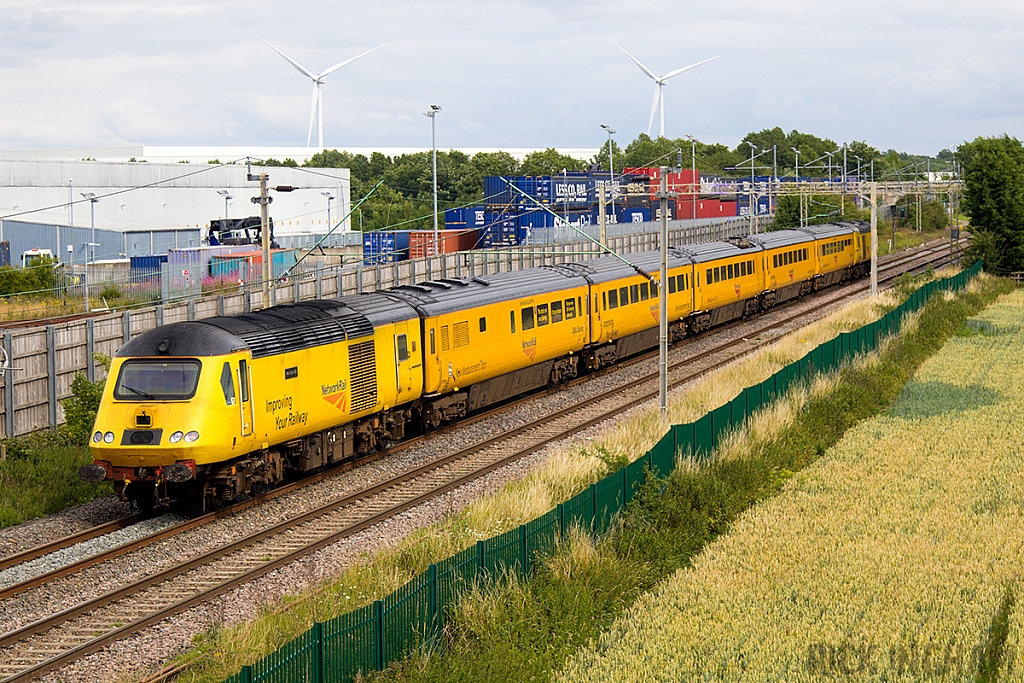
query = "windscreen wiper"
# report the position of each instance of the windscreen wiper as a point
(139, 392)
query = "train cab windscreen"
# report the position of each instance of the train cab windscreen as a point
(153, 380)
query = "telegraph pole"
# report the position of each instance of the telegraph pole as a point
(663, 196)
(874, 239)
(264, 201)
(602, 216)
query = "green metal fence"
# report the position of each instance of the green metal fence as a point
(369, 638)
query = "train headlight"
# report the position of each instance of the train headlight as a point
(97, 437)
(191, 436)
(176, 437)
(108, 437)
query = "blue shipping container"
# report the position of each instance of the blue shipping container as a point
(385, 246)
(152, 262)
(500, 229)
(465, 217)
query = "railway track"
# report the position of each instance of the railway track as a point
(93, 624)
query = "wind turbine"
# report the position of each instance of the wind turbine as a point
(659, 83)
(316, 107)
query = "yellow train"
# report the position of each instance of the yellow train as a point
(216, 408)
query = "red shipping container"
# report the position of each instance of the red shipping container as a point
(709, 208)
(686, 209)
(728, 208)
(421, 242)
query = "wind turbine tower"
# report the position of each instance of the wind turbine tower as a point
(316, 107)
(659, 84)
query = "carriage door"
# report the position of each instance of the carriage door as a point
(403, 371)
(245, 397)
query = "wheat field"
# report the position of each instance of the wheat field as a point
(890, 559)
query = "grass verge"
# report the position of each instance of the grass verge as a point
(40, 477)
(525, 631)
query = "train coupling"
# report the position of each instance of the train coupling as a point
(94, 473)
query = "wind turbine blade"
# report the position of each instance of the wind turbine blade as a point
(349, 61)
(1020, 105)
(686, 68)
(312, 111)
(302, 69)
(636, 61)
(654, 106)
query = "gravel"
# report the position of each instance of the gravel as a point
(16, 539)
(144, 651)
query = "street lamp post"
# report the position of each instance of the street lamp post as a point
(227, 197)
(693, 173)
(433, 144)
(751, 207)
(797, 179)
(611, 164)
(91, 196)
(829, 155)
(330, 198)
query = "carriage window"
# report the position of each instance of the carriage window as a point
(511, 322)
(403, 348)
(804, 252)
(227, 384)
(718, 274)
(613, 299)
(732, 273)
(243, 379)
(604, 301)
(644, 291)
(528, 318)
(542, 315)
(634, 294)
(680, 282)
(775, 260)
(556, 311)
(654, 290)
(483, 324)
(570, 309)
(433, 349)
(672, 285)
(709, 279)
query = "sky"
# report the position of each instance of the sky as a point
(917, 76)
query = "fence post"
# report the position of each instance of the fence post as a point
(296, 291)
(435, 626)
(90, 349)
(480, 562)
(220, 305)
(51, 373)
(593, 509)
(159, 315)
(561, 519)
(523, 557)
(126, 327)
(246, 305)
(9, 385)
(319, 275)
(245, 675)
(318, 652)
(359, 279)
(378, 634)
(192, 309)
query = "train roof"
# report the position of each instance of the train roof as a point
(608, 268)
(279, 329)
(447, 295)
(829, 230)
(781, 238)
(710, 251)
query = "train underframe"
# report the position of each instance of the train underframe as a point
(219, 484)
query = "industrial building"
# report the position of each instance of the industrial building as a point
(84, 210)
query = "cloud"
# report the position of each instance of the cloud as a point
(136, 122)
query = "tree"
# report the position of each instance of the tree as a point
(550, 162)
(993, 172)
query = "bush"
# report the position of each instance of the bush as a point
(81, 407)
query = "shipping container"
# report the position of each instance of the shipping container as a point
(465, 217)
(385, 246)
(708, 208)
(728, 208)
(152, 262)
(248, 266)
(500, 229)
(5, 253)
(656, 209)
(422, 242)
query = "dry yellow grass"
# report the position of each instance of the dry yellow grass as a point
(885, 561)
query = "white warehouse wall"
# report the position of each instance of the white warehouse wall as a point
(146, 196)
